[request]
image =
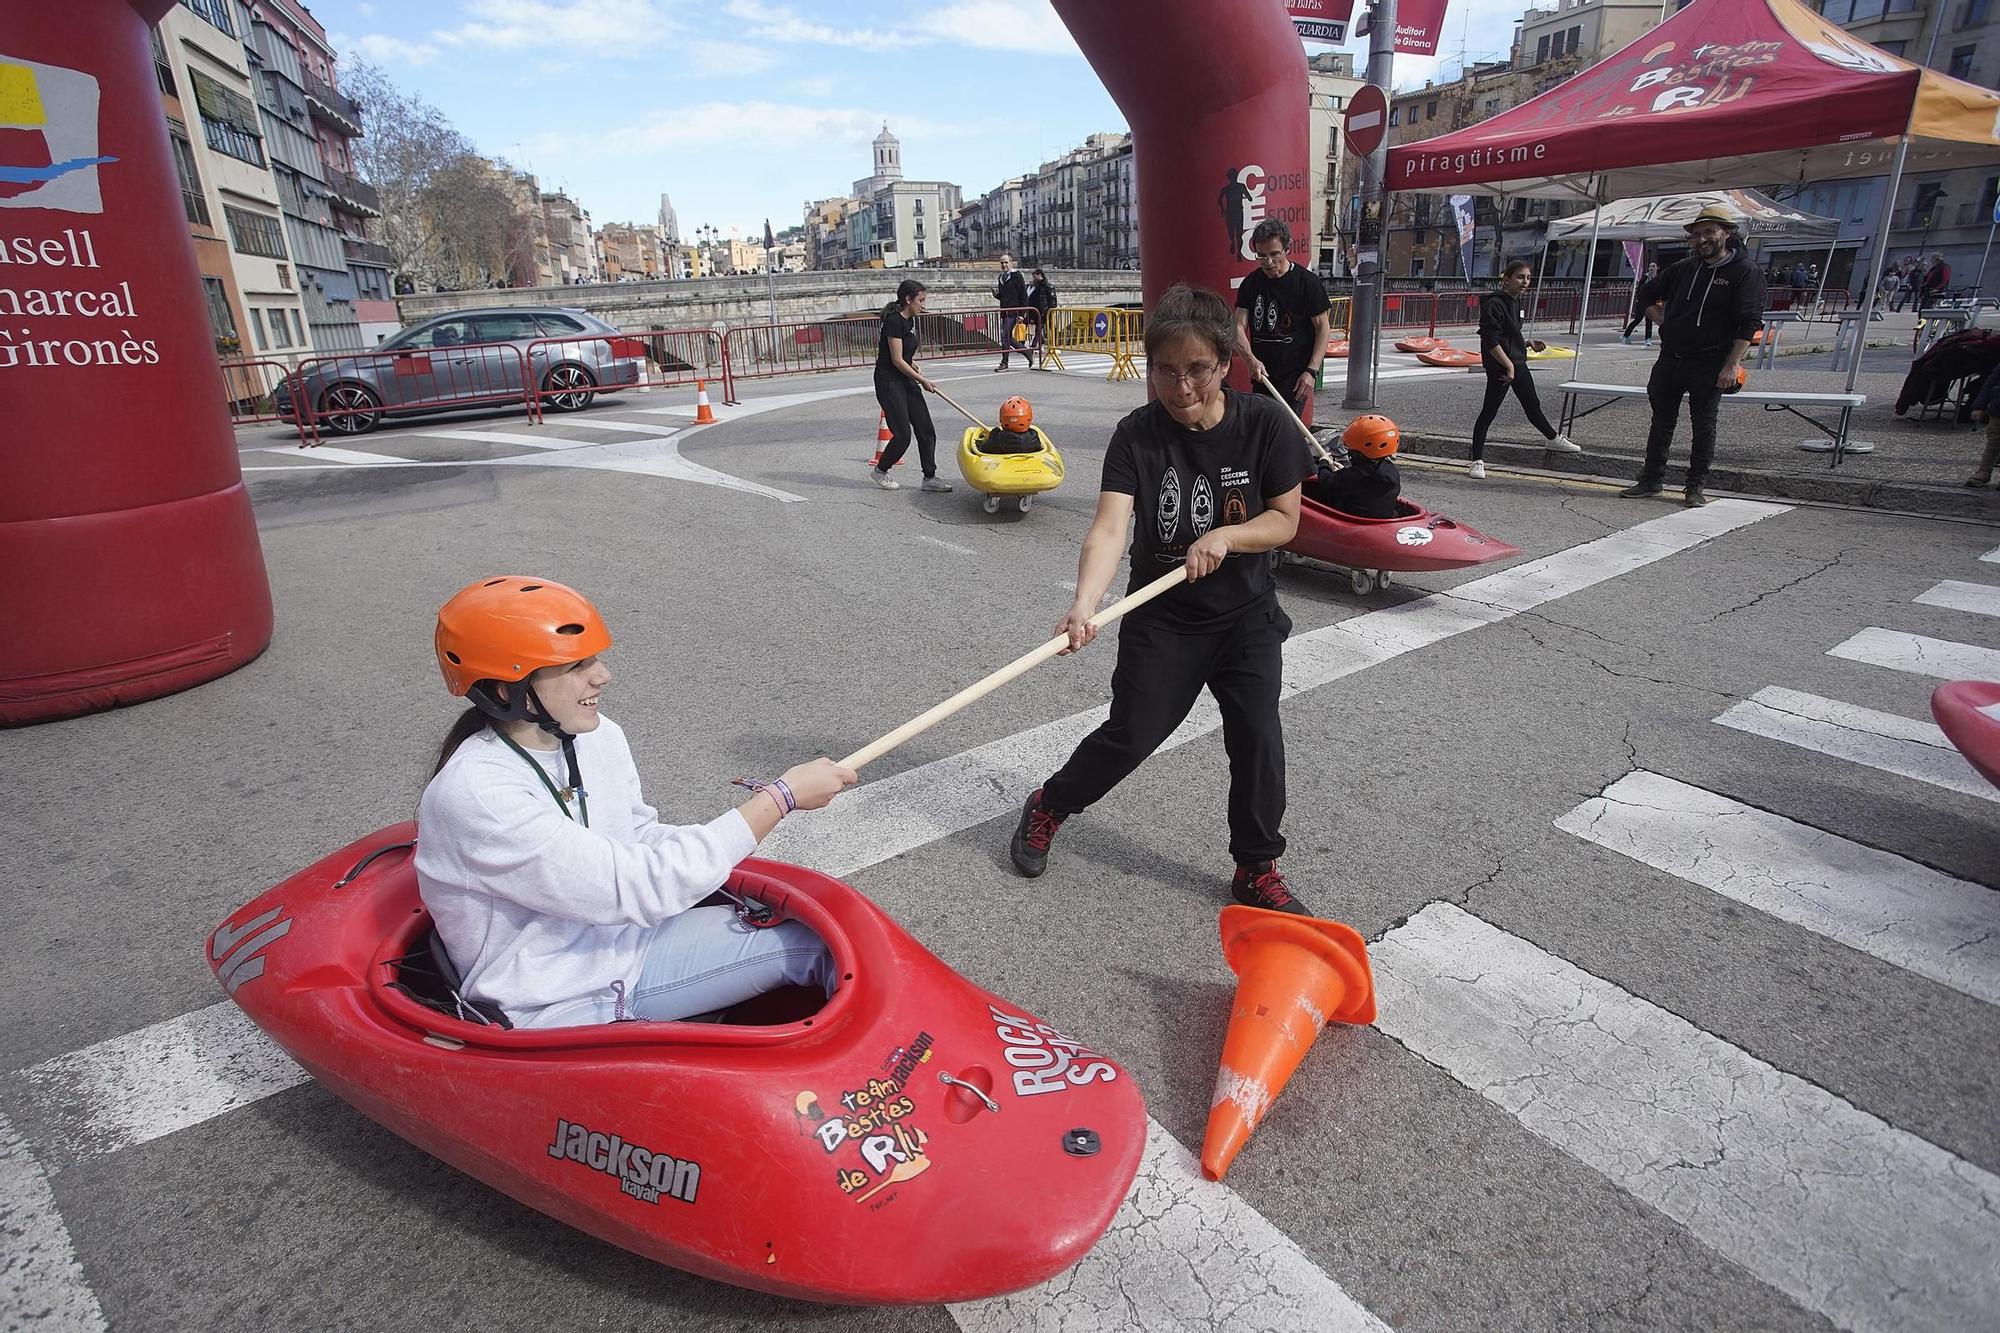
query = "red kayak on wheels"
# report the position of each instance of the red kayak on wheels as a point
(1370, 549)
(1968, 711)
(913, 1139)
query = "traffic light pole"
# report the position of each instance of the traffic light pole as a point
(1365, 319)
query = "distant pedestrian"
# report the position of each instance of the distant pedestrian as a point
(1042, 297)
(1503, 350)
(1709, 306)
(1913, 280)
(1639, 307)
(899, 388)
(1937, 279)
(1986, 409)
(1798, 274)
(1283, 319)
(1012, 293)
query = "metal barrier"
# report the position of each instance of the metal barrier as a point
(761, 351)
(248, 386)
(1101, 329)
(566, 373)
(349, 394)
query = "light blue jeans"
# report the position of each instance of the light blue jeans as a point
(706, 958)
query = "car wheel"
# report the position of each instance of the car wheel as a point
(568, 388)
(350, 409)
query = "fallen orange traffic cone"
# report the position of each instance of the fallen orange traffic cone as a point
(704, 415)
(1294, 975)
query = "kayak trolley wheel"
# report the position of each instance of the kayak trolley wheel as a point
(1381, 579)
(1025, 503)
(1362, 581)
(991, 504)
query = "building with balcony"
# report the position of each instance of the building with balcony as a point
(228, 190)
(1330, 84)
(572, 247)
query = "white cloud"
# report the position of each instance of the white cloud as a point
(706, 59)
(781, 23)
(747, 127)
(1001, 25)
(381, 49)
(568, 27)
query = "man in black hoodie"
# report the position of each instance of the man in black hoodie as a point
(1012, 294)
(1708, 307)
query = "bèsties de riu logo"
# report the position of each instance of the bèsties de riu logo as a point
(48, 137)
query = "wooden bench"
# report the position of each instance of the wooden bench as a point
(1843, 403)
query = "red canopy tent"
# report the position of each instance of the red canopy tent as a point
(1726, 92)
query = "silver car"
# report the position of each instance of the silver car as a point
(465, 359)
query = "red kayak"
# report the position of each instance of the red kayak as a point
(1415, 541)
(1969, 713)
(913, 1139)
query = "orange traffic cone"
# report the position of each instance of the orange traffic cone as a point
(704, 415)
(882, 438)
(1294, 975)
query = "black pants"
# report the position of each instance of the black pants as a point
(1671, 379)
(1301, 401)
(1159, 675)
(902, 400)
(1496, 393)
(1638, 315)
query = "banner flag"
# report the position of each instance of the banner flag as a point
(1635, 255)
(1468, 226)
(1419, 23)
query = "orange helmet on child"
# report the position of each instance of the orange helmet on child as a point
(1016, 415)
(1372, 436)
(505, 628)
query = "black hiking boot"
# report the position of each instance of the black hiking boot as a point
(1032, 836)
(1693, 498)
(1641, 490)
(1260, 885)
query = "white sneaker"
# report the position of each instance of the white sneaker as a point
(935, 484)
(1649, 342)
(1477, 470)
(1563, 444)
(884, 480)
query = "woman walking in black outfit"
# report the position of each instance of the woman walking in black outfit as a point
(899, 388)
(1503, 349)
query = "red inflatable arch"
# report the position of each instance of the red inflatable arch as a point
(1215, 94)
(129, 564)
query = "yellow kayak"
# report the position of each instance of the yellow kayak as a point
(1017, 465)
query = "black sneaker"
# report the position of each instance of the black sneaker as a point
(1260, 885)
(1032, 836)
(1693, 498)
(1642, 489)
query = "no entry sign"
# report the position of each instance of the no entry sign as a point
(1366, 120)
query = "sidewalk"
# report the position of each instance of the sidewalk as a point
(1916, 466)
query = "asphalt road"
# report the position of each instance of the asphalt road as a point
(1686, 1023)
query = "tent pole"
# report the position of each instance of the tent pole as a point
(1825, 272)
(1541, 271)
(1589, 270)
(1881, 258)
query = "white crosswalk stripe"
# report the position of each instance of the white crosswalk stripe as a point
(1980, 598)
(630, 427)
(326, 453)
(1911, 916)
(1992, 557)
(41, 1284)
(1870, 1226)
(1920, 654)
(514, 437)
(1884, 741)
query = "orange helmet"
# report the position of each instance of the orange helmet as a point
(504, 628)
(1372, 436)
(1016, 415)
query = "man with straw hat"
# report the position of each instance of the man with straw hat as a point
(1708, 306)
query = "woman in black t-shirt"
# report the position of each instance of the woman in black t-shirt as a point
(1213, 477)
(1503, 350)
(899, 388)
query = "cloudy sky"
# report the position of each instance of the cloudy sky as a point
(741, 109)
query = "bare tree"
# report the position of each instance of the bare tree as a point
(446, 210)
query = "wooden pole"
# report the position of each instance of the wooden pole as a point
(1020, 666)
(962, 412)
(1304, 430)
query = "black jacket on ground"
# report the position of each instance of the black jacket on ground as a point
(1708, 307)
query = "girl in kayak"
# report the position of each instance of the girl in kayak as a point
(564, 904)
(1367, 487)
(1213, 477)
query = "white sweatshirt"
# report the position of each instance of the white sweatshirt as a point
(541, 914)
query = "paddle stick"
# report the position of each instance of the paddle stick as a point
(962, 412)
(1018, 667)
(1304, 430)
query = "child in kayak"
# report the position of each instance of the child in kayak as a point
(1369, 485)
(564, 904)
(1213, 477)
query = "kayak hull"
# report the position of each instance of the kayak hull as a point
(1009, 474)
(1968, 711)
(1415, 541)
(821, 1156)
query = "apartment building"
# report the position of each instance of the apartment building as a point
(1331, 83)
(226, 316)
(229, 167)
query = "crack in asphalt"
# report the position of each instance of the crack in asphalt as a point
(1838, 559)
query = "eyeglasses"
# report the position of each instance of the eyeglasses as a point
(1194, 377)
(1269, 256)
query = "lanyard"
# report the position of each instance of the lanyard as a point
(561, 797)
